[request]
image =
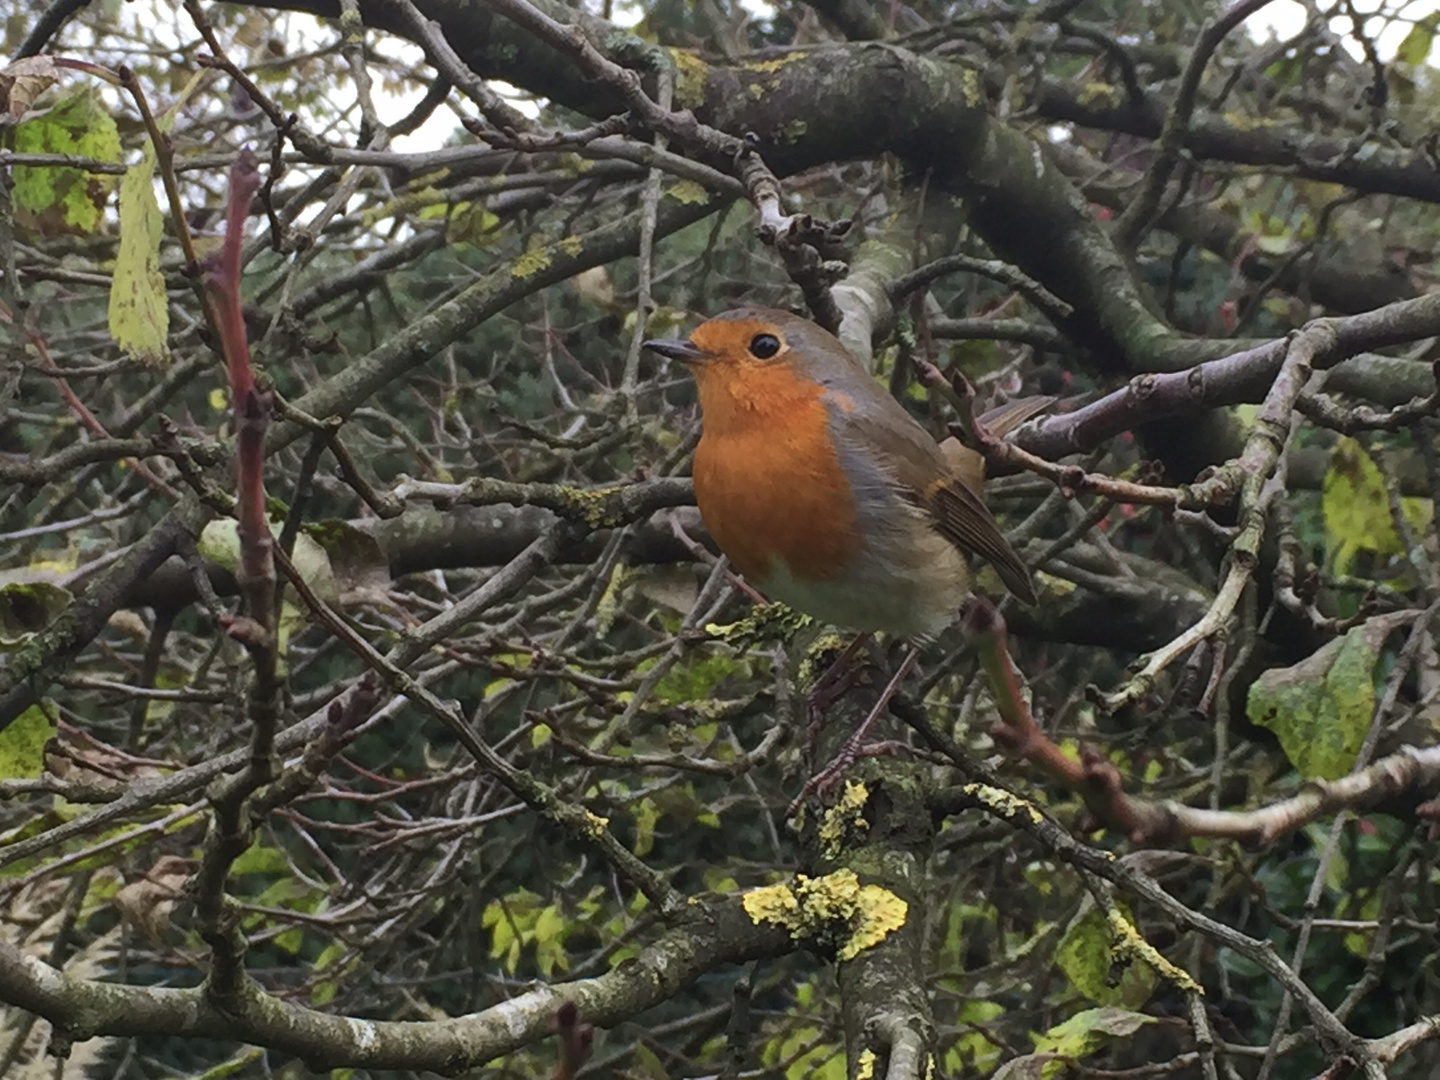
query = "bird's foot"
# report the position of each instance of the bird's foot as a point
(829, 688)
(820, 785)
(855, 747)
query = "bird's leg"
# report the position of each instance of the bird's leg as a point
(828, 689)
(855, 744)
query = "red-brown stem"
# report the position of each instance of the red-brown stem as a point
(252, 406)
(257, 564)
(576, 1040)
(1093, 778)
(223, 281)
(1017, 731)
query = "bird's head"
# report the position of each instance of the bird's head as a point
(750, 352)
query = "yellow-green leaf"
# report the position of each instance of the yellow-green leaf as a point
(139, 315)
(1355, 506)
(646, 815)
(1084, 1033)
(58, 198)
(1085, 956)
(1415, 47)
(219, 543)
(260, 859)
(1320, 708)
(22, 744)
(323, 992)
(972, 1051)
(808, 1057)
(647, 1063)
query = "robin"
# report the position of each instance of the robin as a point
(823, 491)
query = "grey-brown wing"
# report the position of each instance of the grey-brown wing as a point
(925, 478)
(964, 520)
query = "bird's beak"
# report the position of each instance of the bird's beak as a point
(681, 349)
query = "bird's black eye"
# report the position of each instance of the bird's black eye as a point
(764, 346)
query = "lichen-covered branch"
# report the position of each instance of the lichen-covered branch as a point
(715, 935)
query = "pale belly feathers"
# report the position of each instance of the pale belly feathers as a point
(912, 587)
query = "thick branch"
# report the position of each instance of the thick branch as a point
(719, 934)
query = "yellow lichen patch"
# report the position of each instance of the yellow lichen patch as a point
(571, 245)
(691, 74)
(866, 914)
(881, 914)
(773, 904)
(593, 505)
(688, 192)
(794, 131)
(970, 87)
(1248, 123)
(1056, 585)
(773, 64)
(535, 259)
(1002, 802)
(574, 163)
(826, 643)
(1099, 92)
(846, 814)
(764, 625)
(1129, 943)
(865, 1065)
(595, 824)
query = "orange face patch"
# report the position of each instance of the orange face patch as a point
(729, 339)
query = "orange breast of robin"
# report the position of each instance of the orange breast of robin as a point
(767, 479)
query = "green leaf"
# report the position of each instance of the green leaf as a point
(139, 315)
(323, 992)
(647, 1063)
(472, 224)
(167, 678)
(22, 744)
(1085, 956)
(697, 678)
(1320, 708)
(219, 543)
(1415, 48)
(646, 814)
(821, 1061)
(512, 923)
(1359, 942)
(260, 859)
(1273, 245)
(58, 198)
(240, 1061)
(972, 1051)
(551, 929)
(1084, 1033)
